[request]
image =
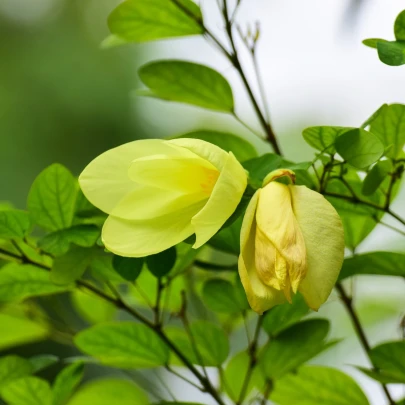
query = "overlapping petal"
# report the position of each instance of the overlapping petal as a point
(134, 238)
(322, 229)
(105, 181)
(223, 201)
(261, 297)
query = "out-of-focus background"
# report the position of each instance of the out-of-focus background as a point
(63, 99)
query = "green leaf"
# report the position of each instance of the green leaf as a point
(52, 198)
(112, 41)
(123, 345)
(19, 325)
(13, 367)
(382, 377)
(376, 176)
(108, 391)
(66, 382)
(209, 339)
(242, 149)
(71, 266)
(294, 346)
(371, 119)
(399, 26)
(373, 42)
(389, 358)
(189, 83)
(129, 268)
(14, 224)
(323, 138)
(27, 391)
(359, 147)
(220, 295)
(358, 220)
(389, 126)
(162, 263)
(148, 20)
(260, 167)
(23, 281)
(59, 242)
(228, 239)
(235, 375)
(42, 361)
(92, 308)
(318, 385)
(376, 263)
(391, 53)
(185, 257)
(102, 268)
(285, 315)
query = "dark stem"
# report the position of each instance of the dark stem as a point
(253, 360)
(234, 57)
(348, 303)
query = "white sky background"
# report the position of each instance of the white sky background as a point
(317, 72)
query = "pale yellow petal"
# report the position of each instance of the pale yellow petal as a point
(276, 219)
(184, 175)
(205, 150)
(324, 239)
(260, 297)
(105, 180)
(151, 202)
(142, 238)
(225, 197)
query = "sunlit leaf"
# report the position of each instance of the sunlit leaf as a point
(376, 176)
(359, 147)
(14, 224)
(66, 382)
(27, 391)
(323, 138)
(391, 53)
(388, 358)
(22, 281)
(389, 126)
(235, 375)
(13, 367)
(318, 385)
(108, 391)
(260, 167)
(92, 308)
(294, 346)
(148, 20)
(399, 26)
(123, 345)
(58, 243)
(52, 198)
(375, 263)
(188, 83)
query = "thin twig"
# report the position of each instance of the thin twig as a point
(253, 360)
(348, 303)
(182, 377)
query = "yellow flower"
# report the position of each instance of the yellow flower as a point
(291, 240)
(158, 193)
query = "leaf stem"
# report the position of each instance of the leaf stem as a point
(348, 303)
